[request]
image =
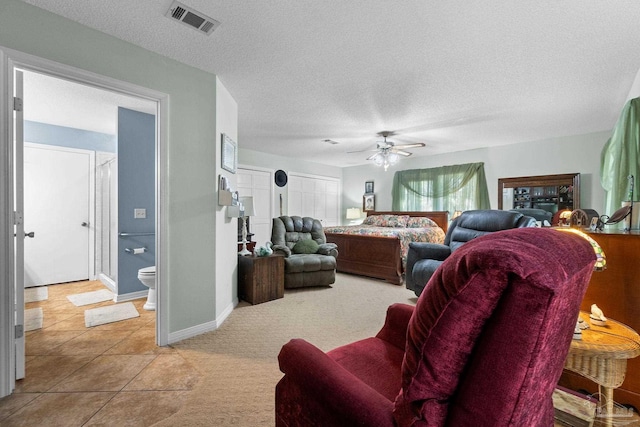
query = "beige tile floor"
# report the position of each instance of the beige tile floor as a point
(107, 375)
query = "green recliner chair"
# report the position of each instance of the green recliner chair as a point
(309, 259)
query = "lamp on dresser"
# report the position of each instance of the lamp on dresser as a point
(354, 214)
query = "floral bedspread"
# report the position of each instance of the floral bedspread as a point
(406, 235)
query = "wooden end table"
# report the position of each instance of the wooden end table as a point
(260, 279)
(601, 355)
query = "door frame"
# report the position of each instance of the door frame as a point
(9, 60)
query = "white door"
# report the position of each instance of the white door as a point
(18, 144)
(317, 197)
(56, 210)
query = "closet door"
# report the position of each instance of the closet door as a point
(258, 183)
(317, 197)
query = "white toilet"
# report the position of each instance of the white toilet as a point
(147, 276)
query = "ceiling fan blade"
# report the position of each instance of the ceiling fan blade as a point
(415, 145)
(402, 153)
(362, 151)
(373, 156)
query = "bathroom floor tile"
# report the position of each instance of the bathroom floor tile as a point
(50, 319)
(142, 341)
(132, 324)
(45, 340)
(72, 372)
(139, 408)
(13, 402)
(166, 372)
(91, 342)
(73, 323)
(105, 373)
(58, 409)
(44, 372)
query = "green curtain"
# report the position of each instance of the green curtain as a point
(620, 158)
(447, 188)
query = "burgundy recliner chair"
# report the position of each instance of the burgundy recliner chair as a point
(484, 346)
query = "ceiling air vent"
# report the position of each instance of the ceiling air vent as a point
(192, 18)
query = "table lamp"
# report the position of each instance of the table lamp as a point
(353, 214)
(243, 210)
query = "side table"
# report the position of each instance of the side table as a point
(260, 279)
(601, 355)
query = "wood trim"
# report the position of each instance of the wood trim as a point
(439, 217)
(371, 256)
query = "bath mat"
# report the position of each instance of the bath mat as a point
(93, 297)
(109, 314)
(33, 319)
(40, 293)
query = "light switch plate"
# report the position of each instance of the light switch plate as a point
(139, 213)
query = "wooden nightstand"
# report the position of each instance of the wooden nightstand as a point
(260, 279)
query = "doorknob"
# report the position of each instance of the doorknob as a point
(31, 234)
(85, 224)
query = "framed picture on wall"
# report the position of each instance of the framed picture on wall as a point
(368, 187)
(368, 202)
(229, 154)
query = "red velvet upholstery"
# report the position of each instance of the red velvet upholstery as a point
(485, 345)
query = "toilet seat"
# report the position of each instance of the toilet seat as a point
(147, 271)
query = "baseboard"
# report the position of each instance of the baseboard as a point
(226, 312)
(130, 296)
(204, 327)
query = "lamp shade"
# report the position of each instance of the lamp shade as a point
(247, 202)
(235, 211)
(353, 213)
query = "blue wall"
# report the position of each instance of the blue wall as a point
(136, 189)
(62, 136)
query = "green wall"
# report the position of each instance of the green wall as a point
(189, 193)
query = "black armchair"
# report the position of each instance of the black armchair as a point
(538, 214)
(424, 258)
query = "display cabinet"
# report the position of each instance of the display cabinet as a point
(551, 193)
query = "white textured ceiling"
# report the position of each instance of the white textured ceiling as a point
(456, 75)
(60, 102)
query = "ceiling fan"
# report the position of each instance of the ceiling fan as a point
(388, 153)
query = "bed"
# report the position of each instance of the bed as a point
(380, 251)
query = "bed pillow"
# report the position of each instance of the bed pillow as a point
(305, 246)
(386, 220)
(420, 222)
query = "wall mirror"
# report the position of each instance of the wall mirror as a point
(549, 192)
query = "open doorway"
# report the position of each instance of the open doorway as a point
(70, 136)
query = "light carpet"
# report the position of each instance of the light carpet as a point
(33, 318)
(39, 293)
(109, 314)
(238, 361)
(92, 297)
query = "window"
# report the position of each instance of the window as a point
(447, 188)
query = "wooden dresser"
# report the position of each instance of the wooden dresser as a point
(616, 290)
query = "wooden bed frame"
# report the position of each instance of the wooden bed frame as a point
(377, 257)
